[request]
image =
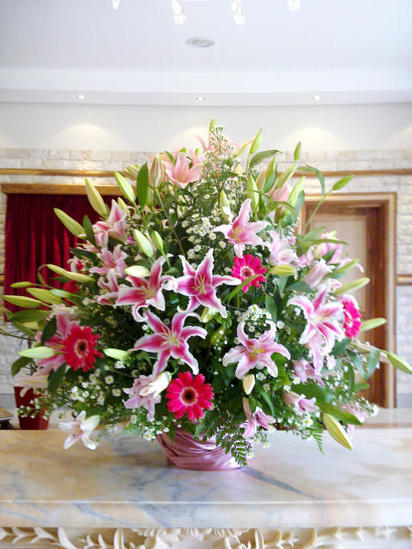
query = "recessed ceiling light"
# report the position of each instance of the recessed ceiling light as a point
(200, 98)
(199, 42)
(81, 97)
(316, 97)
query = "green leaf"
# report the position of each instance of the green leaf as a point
(262, 393)
(270, 181)
(88, 229)
(49, 330)
(299, 286)
(38, 352)
(34, 315)
(56, 378)
(263, 155)
(282, 281)
(142, 184)
(271, 307)
(373, 361)
(342, 183)
(62, 293)
(341, 346)
(19, 364)
(311, 390)
(238, 288)
(346, 417)
(319, 175)
(358, 362)
(22, 301)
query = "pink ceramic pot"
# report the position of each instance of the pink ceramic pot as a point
(187, 453)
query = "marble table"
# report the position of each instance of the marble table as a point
(124, 495)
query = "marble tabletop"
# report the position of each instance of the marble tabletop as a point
(127, 483)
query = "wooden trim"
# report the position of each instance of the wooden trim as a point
(404, 280)
(55, 188)
(110, 173)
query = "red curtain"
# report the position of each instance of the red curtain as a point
(35, 236)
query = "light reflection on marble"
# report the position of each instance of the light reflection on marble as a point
(127, 483)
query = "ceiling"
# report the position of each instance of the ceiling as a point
(329, 52)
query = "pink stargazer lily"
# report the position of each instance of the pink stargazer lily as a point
(115, 226)
(180, 173)
(322, 321)
(241, 232)
(281, 252)
(255, 420)
(138, 400)
(299, 403)
(111, 261)
(110, 287)
(170, 342)
(200, 284)
(145, 292)
(255, 352)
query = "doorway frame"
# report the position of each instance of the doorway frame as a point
(386, 202)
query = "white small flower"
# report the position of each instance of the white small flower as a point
(260, 376)
(212, 236)
(109, 380)
(266, 387)
(133, 419)
(93, 379)
(116, 392)
(119, 365)
(100, 400)
(280, 324)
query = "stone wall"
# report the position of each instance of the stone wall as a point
(326, 161)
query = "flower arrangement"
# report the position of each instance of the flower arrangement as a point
(200, 304)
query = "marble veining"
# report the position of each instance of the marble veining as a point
(126, 483)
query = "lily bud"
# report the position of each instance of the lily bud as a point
(38, 352)
(249, 383)
(22, 301)
(282, 270)
(117, 354)
(122, 204)
(261, 179)
(352, 286)
(224, 204)
(77, 277)
(336, 431)
(132, 170)
(139, 271)
(207, 314)
(252, 192)
(157, 172)
(143, 243)
(157, 241)
(159, 384)
(71, 224)
(95, 199)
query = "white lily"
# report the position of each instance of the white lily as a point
(80, 428)
(156, 386)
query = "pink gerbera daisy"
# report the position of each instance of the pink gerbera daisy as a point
(190, 395)
(247, 266)
(352, 316)
(79, 348)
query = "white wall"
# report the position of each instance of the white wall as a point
(102, 127)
